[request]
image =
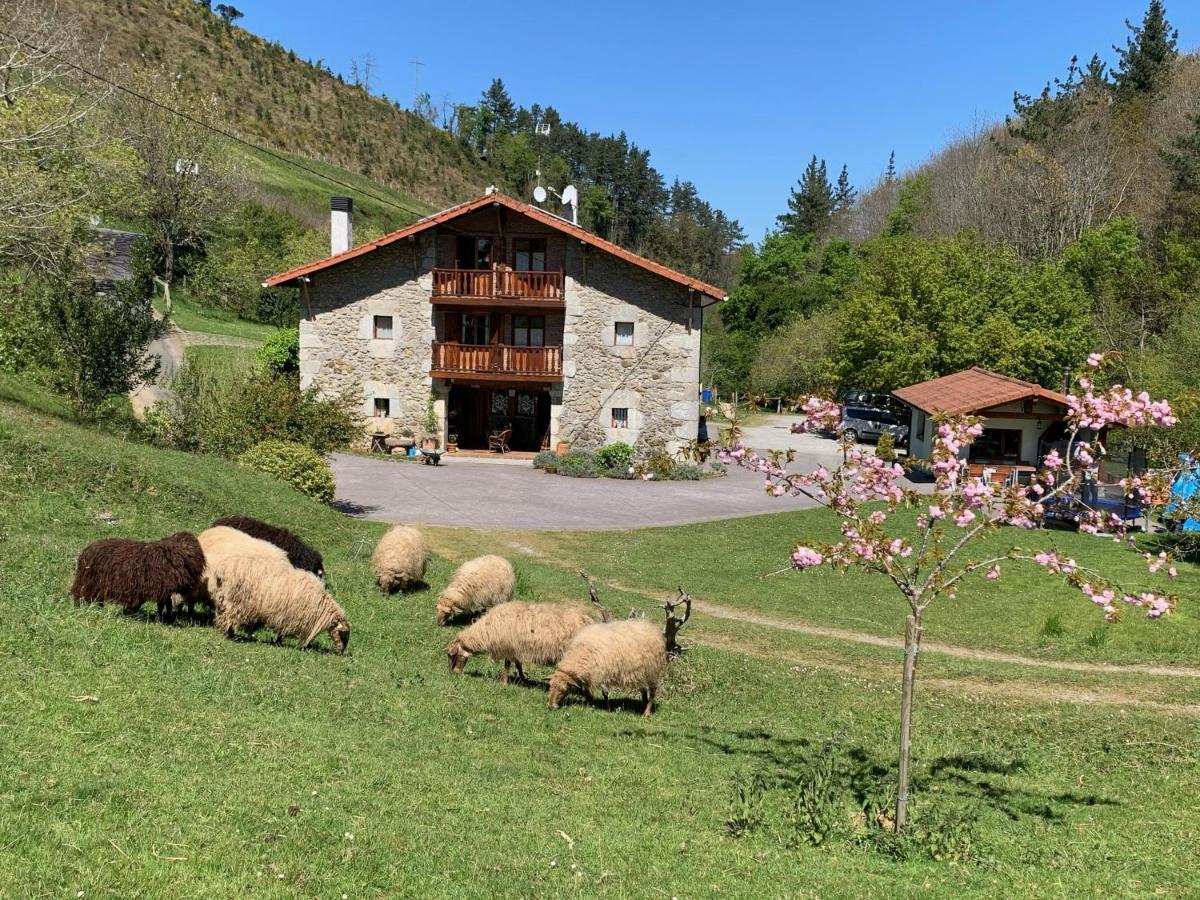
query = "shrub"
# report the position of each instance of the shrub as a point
(547, 459)
(715, 468)
(621, 474)
(301, 467)
(226, 410)
(745, 808)
(618, 455)
(685, 472)
(578, 464)
(885, 449)
(281, 353)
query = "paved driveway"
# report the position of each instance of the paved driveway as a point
(488, 494)
(481, 494)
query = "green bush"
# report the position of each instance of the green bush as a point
(226, 410)
(281, 352)
(547, 459)
(885, 449)
(297, 465)
(578, 464)
(685, 472)
(618, 455)
(620, 473)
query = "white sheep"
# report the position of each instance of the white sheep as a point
(518, 632)
(629, 654)
(477, 585)
(400, 559)
(252, 593)
(222, 542)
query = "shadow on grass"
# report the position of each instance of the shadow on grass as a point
(574, 698)
(991, 780)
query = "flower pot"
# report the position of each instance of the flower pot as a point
(562, 447)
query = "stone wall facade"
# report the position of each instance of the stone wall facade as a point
(338, 352)
(655, 379)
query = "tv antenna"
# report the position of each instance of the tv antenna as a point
(416, 64)
(542, 128)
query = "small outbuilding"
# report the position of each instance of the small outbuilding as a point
(1022, 421)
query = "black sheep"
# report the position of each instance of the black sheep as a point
(299, 553)
(130, 573)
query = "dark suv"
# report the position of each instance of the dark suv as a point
(868, 423)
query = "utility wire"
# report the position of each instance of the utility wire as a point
(213, 128)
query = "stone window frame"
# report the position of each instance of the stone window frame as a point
(382, 407)
(375, 329)
(624, 340)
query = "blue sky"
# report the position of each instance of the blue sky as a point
(734, 97)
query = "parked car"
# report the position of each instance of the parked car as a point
(872, 400)
(867, 423)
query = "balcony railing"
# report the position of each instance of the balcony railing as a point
(496, 359)
(497, 284)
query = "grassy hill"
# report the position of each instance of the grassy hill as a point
(141, 760)
(274, 98)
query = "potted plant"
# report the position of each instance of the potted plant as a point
(406, 439)
(451, 443)
(561, 448)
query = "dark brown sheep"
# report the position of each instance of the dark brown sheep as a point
(130, 573)
(299, 553)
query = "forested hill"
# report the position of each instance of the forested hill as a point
(1072, 226)
(266, 93)
(436, 154)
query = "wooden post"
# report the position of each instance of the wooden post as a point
(912, 643)
(304, 293)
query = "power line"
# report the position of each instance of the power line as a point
(222, 132)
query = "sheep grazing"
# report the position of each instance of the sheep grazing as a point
(299, 553)
(518, 632)
(400, 559)
(608, 656)
(130, 573)
(222, 542)
(477, 585)
(252, 593)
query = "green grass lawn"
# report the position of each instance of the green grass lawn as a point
(193, 317)
(738, 562)
(220, 357)
(139, 760)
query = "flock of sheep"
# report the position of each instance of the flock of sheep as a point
(255, 575)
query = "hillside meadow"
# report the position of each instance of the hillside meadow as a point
(139, 760)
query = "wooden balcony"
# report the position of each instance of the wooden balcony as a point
(496, 362)
(477, 286)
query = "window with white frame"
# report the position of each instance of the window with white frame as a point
(383, 328)
(383, 407)
(620, 417)
(623, 334)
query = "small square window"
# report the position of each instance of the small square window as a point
(623, 334)
(383, 328)
(383, 407)
(620, 417)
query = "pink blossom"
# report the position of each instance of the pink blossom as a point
(964, 518)
(806, 558)
(936, 512)
(1094, 359)
(993, 573)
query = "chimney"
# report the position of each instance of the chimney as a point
(341, 224)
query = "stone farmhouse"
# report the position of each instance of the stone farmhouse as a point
(496, 315)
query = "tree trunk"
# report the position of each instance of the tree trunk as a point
(912, 643)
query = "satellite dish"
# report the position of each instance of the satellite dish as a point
(539, 194)
(570, 195)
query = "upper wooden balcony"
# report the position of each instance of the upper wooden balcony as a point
(477, 287)
(496, 362)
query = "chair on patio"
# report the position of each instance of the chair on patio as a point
(499, 441)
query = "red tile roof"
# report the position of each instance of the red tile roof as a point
(973, 390)
(525, 209)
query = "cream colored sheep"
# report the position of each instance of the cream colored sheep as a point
(222, 542)
(477, 585)
(518, 632)
(252, 593)
(400, 559)
(629, 654)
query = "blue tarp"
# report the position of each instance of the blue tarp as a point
(1185, 488)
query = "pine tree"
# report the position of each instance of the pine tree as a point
(811, 204)
(500, 106)
(1146, 58)
(889, 176)
(843, 196)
